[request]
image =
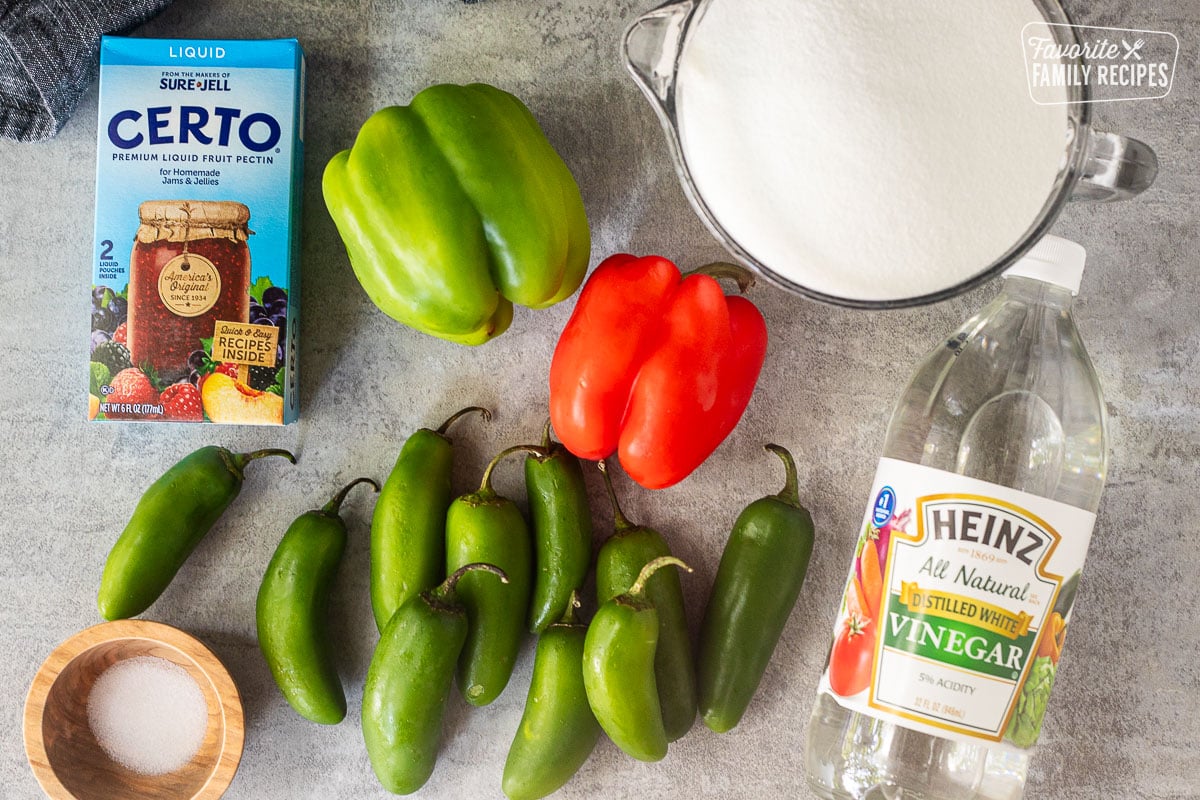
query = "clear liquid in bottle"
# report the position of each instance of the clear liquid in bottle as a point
(1012, 400)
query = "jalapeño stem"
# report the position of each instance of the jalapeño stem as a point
(237, 461)
(571, 615)
(445, 592)
(639, 585)
(620, 521)
(445, 426)
(790, 493)
(335, 504)
(485, 486)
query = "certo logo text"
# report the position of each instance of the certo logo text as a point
(1088, 64)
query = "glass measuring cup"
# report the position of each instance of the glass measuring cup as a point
(1096, 166)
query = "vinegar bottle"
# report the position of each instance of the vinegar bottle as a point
(949, 633)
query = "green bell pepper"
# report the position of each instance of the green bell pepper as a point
(455, 207)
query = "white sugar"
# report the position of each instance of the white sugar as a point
(148, 714)
(872, 149)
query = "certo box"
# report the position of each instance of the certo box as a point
(196, 260)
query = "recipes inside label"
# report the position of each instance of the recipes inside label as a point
(243, 343)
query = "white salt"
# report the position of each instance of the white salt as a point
(873, 149)
(148, 714)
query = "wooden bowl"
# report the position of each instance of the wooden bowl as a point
(66, 758)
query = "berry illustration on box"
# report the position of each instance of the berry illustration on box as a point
(247, 388)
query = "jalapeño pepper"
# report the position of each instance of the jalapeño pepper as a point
(562, 530)
(558, 730)
(408, 683)
(291, 607)
(172, 517)
(487, 527)
(621, 559)
(408, 528)
(757, 583)
(619, 668)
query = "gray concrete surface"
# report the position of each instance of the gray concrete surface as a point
(1124, 719)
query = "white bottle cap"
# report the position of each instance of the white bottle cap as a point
(1052, 260)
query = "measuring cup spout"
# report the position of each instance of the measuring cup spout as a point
(651, 49)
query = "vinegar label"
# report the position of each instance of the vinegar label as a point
(956, 606)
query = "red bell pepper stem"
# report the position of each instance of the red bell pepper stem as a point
(723, 269)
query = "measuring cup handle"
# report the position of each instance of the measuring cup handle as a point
(1115, 168)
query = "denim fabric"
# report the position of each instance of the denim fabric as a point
(49, 54)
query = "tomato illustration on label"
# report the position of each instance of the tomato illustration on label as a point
(853, 648)
(850, 658)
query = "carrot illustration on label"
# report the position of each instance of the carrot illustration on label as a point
(1051, 640)
(856, 601)
(872, 580)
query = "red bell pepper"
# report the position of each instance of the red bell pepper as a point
(655, 367)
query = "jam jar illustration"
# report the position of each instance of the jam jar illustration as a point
(190, 267)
